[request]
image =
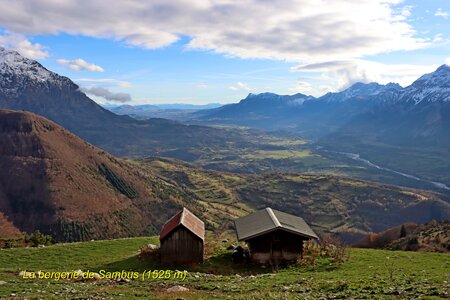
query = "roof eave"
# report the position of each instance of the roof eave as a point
(176, 227)
(274, 229)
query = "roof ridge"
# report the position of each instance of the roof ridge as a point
(186, 219)
(273, 217)
(192, 214)
(173, 217)
(182, 215)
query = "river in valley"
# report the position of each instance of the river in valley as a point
(357, 157)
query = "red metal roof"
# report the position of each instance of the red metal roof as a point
(188, 220)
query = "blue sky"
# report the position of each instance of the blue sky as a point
(219, 51)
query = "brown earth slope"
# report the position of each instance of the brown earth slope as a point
(7, 229)
(53, 181)
(430, 237)
(337, 204)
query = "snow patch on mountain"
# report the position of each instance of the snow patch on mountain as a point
(292, 100)
(18, 72)
(430, 87)
(13, 62)
(360, 91)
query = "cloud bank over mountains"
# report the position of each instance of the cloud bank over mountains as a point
(332, 41)
(22, 45)
(107, 94)
(304, 31)
(346, 72)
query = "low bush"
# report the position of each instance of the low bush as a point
(37, 238)
(327, 247)
(150, 252)
(24, 240)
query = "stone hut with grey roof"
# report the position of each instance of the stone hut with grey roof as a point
(273, 236)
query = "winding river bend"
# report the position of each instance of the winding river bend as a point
(357, 157)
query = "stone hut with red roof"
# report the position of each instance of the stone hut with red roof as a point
(182, 239)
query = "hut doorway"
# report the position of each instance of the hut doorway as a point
(277, 252)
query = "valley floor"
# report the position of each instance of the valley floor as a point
(368, 274)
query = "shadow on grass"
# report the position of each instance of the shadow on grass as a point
(220, 264)
(135, 263)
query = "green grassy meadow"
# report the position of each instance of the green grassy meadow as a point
(368, 274)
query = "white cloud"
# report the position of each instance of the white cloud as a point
(438, 38)
(202, 85)
(100, 89)
(295, 30)
(325, 89)
(342, 74)
(240, 86)
(441, 13)
(104, 82)
(22, 45)
(406, 11)
(447, 61)
(80, 65)
(403, 13)
(301, 87)
(107, 95)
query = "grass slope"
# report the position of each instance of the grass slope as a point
(367, 274)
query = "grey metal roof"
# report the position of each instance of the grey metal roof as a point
(268, 220)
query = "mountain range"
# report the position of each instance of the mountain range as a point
(175, 106)
(421, 111)
(53, 181)
(27, 85)
(404, 129)
(178, 112)
(417, 115)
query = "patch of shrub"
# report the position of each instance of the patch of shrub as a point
(311, 253)
(14, 242)
(327, 247)
(37, 238)
(150, 252)
(333, 248)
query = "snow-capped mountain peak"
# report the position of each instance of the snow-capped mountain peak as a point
(275, 99)
(442, 74)
(360, 90)
(363, 89)
(430, 87)
(18, 72)
(12, 62)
